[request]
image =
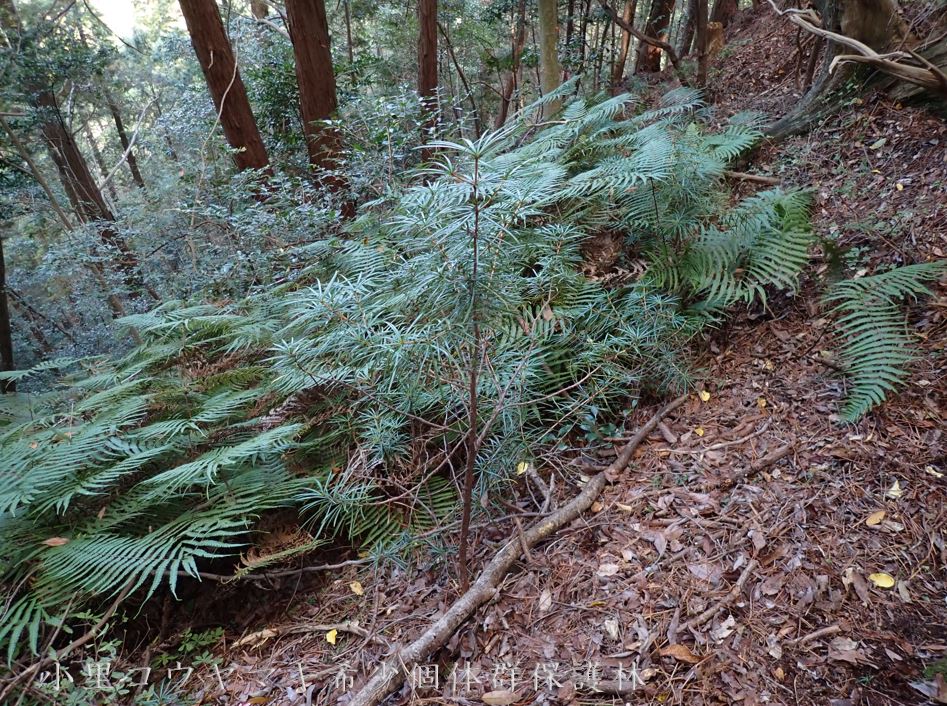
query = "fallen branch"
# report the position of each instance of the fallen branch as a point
(759, 178)
(645, 39)
(394, 669)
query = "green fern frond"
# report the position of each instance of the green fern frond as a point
(875, 345)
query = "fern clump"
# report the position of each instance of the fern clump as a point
(343, 391)
(875, 344)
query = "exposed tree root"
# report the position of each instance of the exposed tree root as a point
(393, 670)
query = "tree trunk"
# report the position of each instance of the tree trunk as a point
(100, 162)
(123, 138)
(724, 11)
(618, 73)
(688, 27)
(519, 40)
(700, 21)
(215, 55)
(259, 9)
(659, 19)
(875, 23)
(427, 60)
(550, 70)
(309, 31)
(6, 337)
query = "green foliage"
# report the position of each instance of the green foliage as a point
(341, 391)
(875, 343)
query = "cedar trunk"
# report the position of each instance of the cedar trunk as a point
(659, 19)
(427, 56)
(215, 55)
(309, 32)
(724, 11)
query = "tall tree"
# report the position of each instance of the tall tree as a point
(427, 56)
(659, 19)
(217, 61)
(628, 15)
(309, 32)
(700, 22)
(550, 70)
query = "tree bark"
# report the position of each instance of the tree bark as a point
(6, 336)
(123, 138)
(215, 55)
(519, 41)
(550, 69)
(724, 11)
(309, 32)
(688, 29)
(700, 21)
(628, 15)
(877, 24)
(427, 59)
(659, 19)
(259, 9)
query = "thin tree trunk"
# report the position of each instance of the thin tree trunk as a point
(349, 47)
(309, 31)
(688, 26)
(6, 336)
(659, 18)
(583, 34)
(123, 138)
(100, 162)
(701, 23)
(478, 128)
(519, 40)
(628, 15)
(550, 70)
(215, 55)
(427, 59)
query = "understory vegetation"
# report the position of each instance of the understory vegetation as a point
(341, 347)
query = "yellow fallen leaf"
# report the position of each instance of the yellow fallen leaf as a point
(356, 587)
(331, 635)
(882, 580)
(930, 470)
(761, 402)
(875, 518)
(680, 653)
(500, 697)
(55, 541)
(596, 506)
(522, 467)
(899, 186)
(704, 395)
(768, 364)
(779, 673)
(895, 490)
(699, 431)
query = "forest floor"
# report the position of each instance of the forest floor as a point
(817, 579)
